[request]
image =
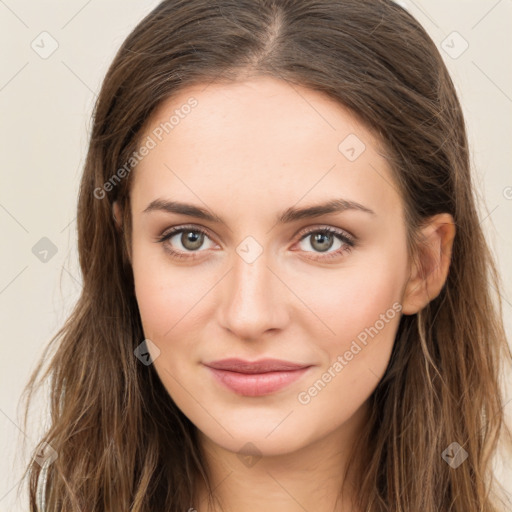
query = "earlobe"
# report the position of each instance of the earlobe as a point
(430, 269)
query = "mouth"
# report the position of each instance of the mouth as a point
(256, 378)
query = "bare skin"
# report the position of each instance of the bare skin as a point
(246, 153)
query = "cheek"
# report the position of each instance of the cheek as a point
(161, 297)
(360, 312)
(364, 316)
(352, 300)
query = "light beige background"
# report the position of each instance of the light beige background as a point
(46, 106)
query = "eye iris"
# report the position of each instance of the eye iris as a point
(192, 240)
(321, 239)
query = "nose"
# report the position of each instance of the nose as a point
(254, 300)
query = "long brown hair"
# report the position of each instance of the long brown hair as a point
(122, 443)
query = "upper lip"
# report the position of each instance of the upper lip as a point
(261, 366)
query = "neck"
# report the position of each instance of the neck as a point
(311, 478)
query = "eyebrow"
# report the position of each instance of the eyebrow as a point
(287, 216)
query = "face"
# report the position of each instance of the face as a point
(265, 274)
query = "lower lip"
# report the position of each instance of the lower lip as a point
(257, 384)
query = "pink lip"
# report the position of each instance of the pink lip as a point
(256, 378)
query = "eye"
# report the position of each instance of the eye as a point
(185, 242)
(324, 239)
(185, 239)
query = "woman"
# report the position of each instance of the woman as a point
(217, 359)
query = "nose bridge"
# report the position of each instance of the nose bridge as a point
(252, 302)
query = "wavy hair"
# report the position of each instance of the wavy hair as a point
(122, 443)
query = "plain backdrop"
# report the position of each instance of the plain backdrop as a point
(54, 56)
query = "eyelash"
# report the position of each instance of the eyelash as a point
(344, 237)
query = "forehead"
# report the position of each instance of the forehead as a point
(264, 139)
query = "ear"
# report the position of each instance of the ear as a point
(430, 269)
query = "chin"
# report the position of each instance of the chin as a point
(254, 440)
